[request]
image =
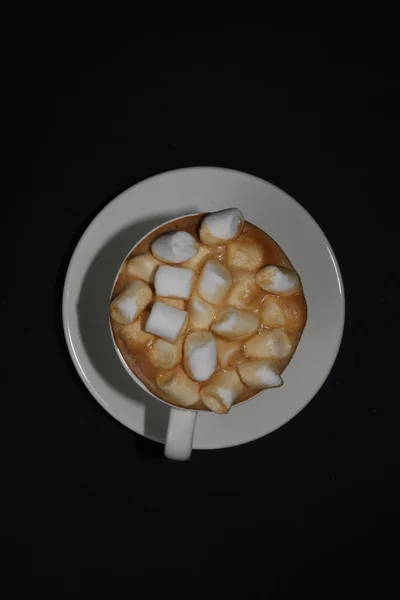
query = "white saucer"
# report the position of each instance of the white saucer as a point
(115, 230)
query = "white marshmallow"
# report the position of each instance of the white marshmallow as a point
(165, 355)
(244, 292)
(284, 312)
(200, 355)
(166, 321)
(173, 282)
(259, 374)
(221, 226)
(235, 324)
(201, 313)
(214, 282)
(175, 247)
(197, 261)
(278, 280)
(227, 352)
(221, 391)
(244, 255)
(175, 302)
(178, 387)
(130, 302)
(134, 333)
(142, 266)
(269, 343)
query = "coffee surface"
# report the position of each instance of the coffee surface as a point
(137, 353)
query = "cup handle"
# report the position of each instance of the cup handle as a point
(178, 445)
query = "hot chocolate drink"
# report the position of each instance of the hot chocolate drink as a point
(207, 311)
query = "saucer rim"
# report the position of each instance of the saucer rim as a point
(75, 359)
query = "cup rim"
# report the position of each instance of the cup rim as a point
(118, 351)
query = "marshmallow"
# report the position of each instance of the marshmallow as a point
(165, 355)
(173, 282)
(197, 261)
(227, 352)
(221, 226)
(269, 343)
(178, 387)
(175, 247)
(244, 293)
(201, 314)
(142, 266)
(214, 282)
(221, 391)
(278, 280)
(175, 302)
(130, 302)
(244, 255)
(284, 312)
(134, 333)
(235, 324)
(259, 374)
(166, 321)
(200, 355)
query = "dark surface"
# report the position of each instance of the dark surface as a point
(103, 104)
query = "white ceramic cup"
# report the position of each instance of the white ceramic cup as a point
(182, 421)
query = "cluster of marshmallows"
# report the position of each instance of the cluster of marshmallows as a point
(184, 300)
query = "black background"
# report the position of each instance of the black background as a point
(103, 102)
